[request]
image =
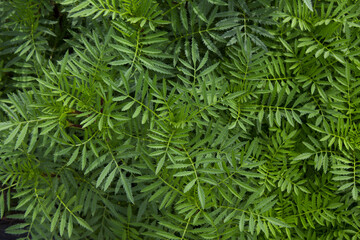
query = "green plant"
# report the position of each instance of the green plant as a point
(180, 119)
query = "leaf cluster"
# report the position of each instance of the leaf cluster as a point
(189, 119)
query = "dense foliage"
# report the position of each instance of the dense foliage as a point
(187, 119)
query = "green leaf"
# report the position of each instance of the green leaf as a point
(152, 186)
(303, 156)
(79, 7)
(137, 111)
(83, 157)
(319, 52)
(127, 187)
(123, 49)
(62, 223)
(189, 185)
(245, 185)
(103, 174)
(183, 173)
(119, 99)
(34, 136)
(251, 224)
(355, 192)
(278, 117)
(5, 125)
(158, 193)
(166, 235)
(73, 156)
(232, 125)
(63, 151)
(235, 95)
(101, 122)
(2, 205)
(184, 18)
(203, 61)
(277, 222)
(286, 45)
(12, 134)
(64, 63)
(46, 84)
(308, 4)
(311, 48)
(88, 121)
(210, 45)
(201, 196)
(127, 106)
(209, 70)
(47, 129)
(289, 118)
(110, 179)
(55, 219)
(345, 186)
(70, 226)
(84, 224)
(160, 165)
(21, 136)
(339, 57)
(242, 222)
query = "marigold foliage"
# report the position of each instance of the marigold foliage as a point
(187, 119)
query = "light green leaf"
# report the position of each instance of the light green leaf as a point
(62, 223)
(34, 136)
(83, 157)
(286, 45)
(209, 69)
(21, 136)
(101, 122)
(12, 134)
(137, 111)
(242, 222)
(84, 224)
(110, 179)
(289, 118)
(235, 95)
(201, 196)
(158, 193)
(160, 165)
(303, 156)
(119, 99)
(310, 49)
(55, 220)
(183, 173)
(189, 185)
(261, 115)
(339, 57)
(73, 156)
(278, 117)
(88, 121)
(103, 174)
(123, 49)
(232, 125)
(184, 18)
(277, 222)
(127, 106)
(70, 226)
(308, 4)
(5, 125)
(251, 224)
(355, 193)
(2, 205)
(203, 61)
(194, 51)
(127, 187)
